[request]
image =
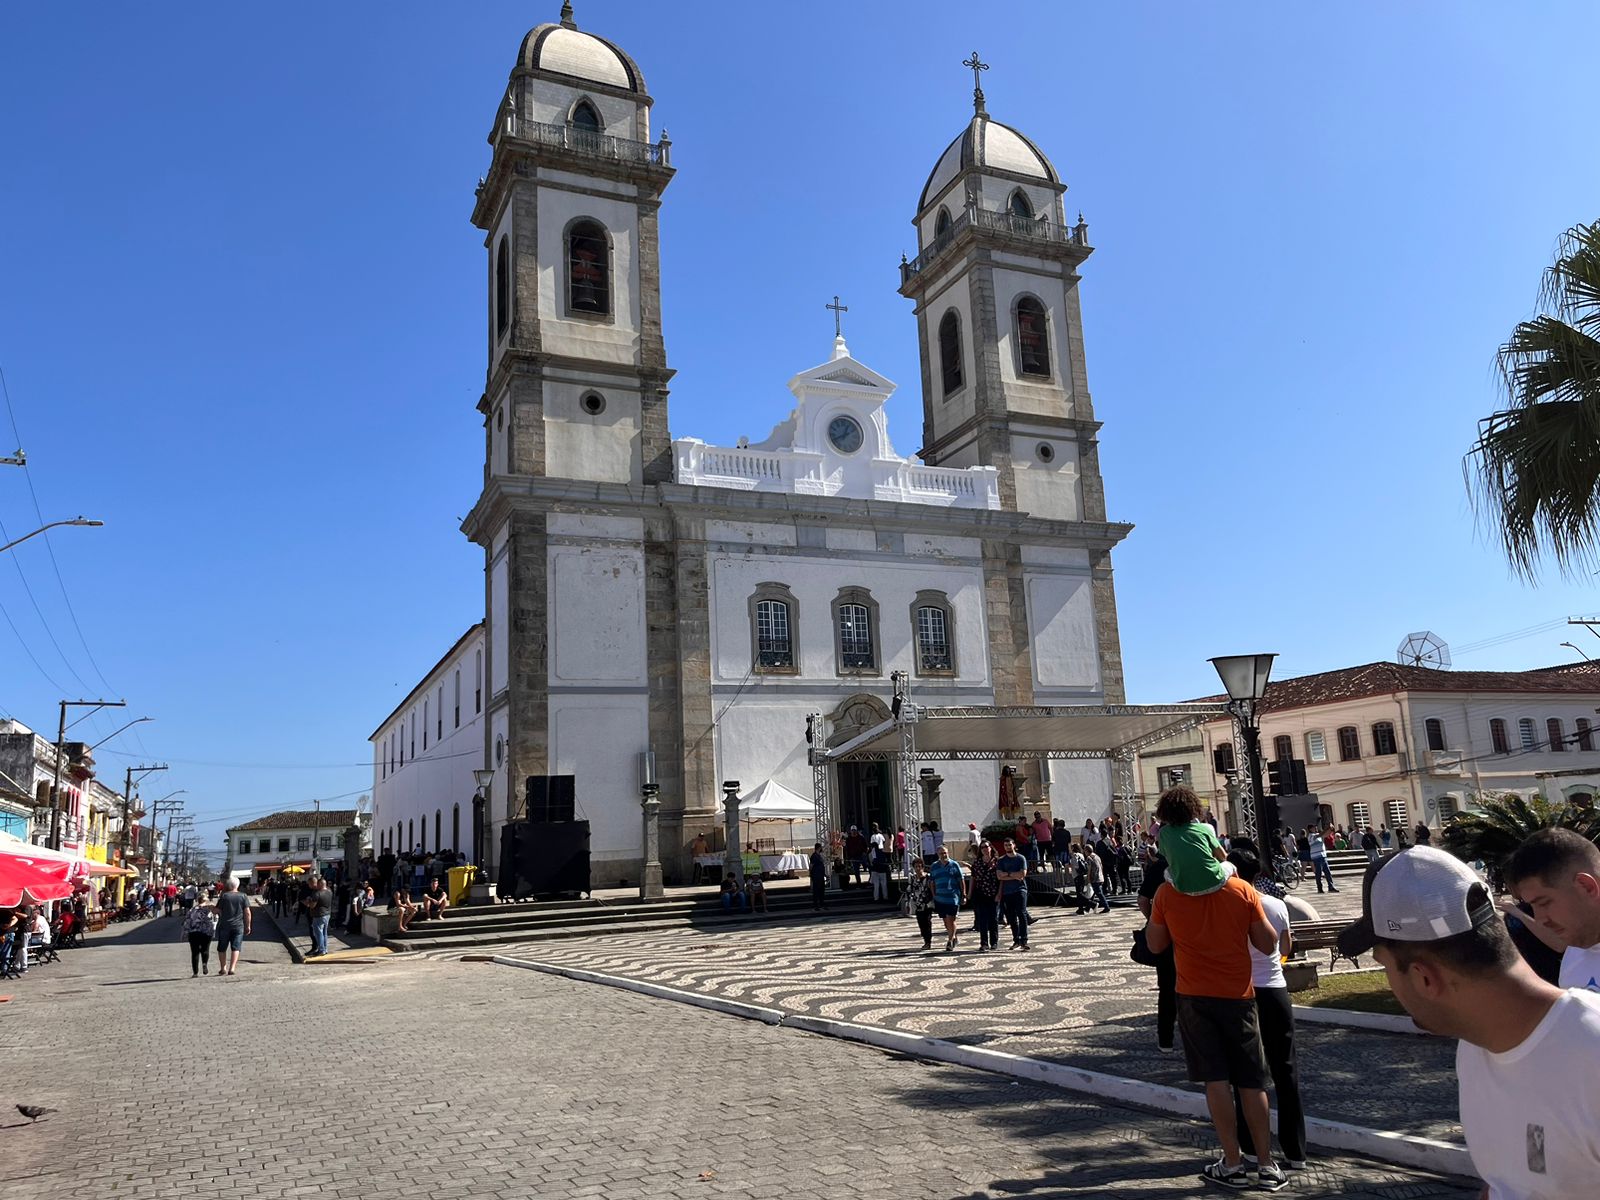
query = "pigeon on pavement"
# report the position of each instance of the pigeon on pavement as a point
(33, 1112)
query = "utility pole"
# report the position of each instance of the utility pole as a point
(127, 804)
(61, 741)
(316, 824)
(165, 804)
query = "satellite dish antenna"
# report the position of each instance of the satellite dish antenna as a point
(1423, 649)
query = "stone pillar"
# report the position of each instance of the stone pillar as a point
(930, 798)
(650, 882)
(732, 857)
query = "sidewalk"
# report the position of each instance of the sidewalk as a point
(296, 936)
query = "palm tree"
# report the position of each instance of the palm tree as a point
(1502, 823)
(1535, 468)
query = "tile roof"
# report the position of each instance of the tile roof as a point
(328, 818)
(1386, 678)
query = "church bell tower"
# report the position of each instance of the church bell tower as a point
(577, 371)
(995, 282)
(574, 402)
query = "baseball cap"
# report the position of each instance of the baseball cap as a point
(1419, 895)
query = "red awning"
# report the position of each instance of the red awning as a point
(23, 883)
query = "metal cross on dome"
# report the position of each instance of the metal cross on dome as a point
(975, 64)
(837, 309)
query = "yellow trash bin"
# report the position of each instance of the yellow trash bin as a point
(460, 882)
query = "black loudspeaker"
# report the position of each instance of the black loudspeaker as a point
(546, 858)
(550, 798)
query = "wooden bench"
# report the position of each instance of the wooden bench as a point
(98, 920)
(1320, 935)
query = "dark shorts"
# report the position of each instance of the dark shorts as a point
(946, 909)
(1222, 1041)
(230, 939)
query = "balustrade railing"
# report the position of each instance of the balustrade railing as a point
(1037, 229)
(593, 144)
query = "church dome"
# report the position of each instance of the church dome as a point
(987, 145)
(563, 50)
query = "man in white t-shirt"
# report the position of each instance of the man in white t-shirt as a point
(1275, 1015)
(878, 840)
(1525, 1062)
(1556, 872)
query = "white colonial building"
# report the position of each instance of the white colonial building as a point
(309, 839)
(698, 601)
(424, 754)
(1391, 744)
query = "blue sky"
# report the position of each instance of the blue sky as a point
(241, 320)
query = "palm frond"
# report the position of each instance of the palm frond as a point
(1535, 469)
(1502, 823)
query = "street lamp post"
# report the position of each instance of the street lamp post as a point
(1244, 677)
(484, 778)
(51, 525)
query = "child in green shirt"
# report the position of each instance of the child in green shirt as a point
(1196, 862)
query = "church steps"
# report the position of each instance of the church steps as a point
(467, 928)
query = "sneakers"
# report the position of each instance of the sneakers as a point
(1271, 1178)
(949, 944)
(1219, 1172)
(1294, 1164)
(1166, 1047)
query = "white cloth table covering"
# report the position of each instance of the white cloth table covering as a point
(772, 864)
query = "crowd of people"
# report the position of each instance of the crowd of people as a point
(1529, 1096)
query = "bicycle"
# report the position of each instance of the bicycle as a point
(1289, 872)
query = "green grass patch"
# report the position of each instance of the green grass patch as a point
(1365, 992)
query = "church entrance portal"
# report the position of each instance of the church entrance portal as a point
(864, 796)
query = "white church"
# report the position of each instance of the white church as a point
(698, 601)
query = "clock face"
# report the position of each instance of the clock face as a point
(845, 434)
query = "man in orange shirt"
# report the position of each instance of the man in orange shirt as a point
(1211, 936)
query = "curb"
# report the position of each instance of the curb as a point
(1351, 1018)
(295, 953)
(1426, 1154)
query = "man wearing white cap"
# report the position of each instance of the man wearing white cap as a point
(1525, 1062)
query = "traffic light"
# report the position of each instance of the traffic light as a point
(1279, 777)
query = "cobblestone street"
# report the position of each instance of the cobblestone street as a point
(1075, 998)
(411, 1077)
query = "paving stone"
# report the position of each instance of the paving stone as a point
(523, 1086)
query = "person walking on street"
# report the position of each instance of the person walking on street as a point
(1319, 861)
(200, 926)
(1012, 871)
(985, 893)
(1275, 1014)
(919, 900)
(949, 891)
(817, 871)
(233, 926)
(878, 869)
(319, 908)
(1097, 883)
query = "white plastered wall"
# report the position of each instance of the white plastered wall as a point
(613, 340)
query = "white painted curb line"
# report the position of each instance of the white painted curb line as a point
(753, 1012)
(1385, 1022)
(1425, 1154)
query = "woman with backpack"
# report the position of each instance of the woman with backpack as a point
(200, 926)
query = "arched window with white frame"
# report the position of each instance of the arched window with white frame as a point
(933, 625)
(855, 631)
(774, 617)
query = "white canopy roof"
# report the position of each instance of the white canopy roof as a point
(774, 802)
(1034, 731)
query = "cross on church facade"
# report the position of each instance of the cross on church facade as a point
(976, 64)
(837, 309)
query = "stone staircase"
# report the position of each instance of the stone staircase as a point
(469, 928)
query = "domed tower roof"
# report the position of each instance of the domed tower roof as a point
(564, 52)
(987, 145)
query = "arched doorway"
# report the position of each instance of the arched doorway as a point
(863, 793)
